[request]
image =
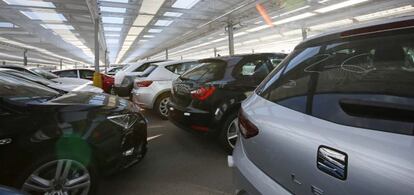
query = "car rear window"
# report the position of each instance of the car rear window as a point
(359, 82)
(206, 71)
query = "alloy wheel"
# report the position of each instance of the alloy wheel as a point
(232, 131)
(59, 177)
(163, 108)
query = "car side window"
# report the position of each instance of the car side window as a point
(365, 83)
(86, 74)
(256, 69)
(68, 73)
(291, 90)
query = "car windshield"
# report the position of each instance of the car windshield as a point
(15, 88)
(206, 71)
(31, 77)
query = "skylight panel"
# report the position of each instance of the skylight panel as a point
(135, 30)
(107, 28)
(173, 14)
(6, 25)
(153, 30)
(130, 38)
(113, 9)
(58, 26)
(112, 35)
(294, 18)
(151, 6)
(185, 4)
(163, 22)
(117, 1)
(30, 3)
(112, 41)
(112, 20)
(34, 15)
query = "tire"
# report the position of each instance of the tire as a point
(40, 177)
(229, 132)
(160, 106)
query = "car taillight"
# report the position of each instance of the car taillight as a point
(203, 93)
(143, 83)
(247, 128)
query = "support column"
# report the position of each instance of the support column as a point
(304, 33)
(106, 62)
(166, 54)
(231, 38)
(25, 57)
(61, 64)
(215, 52)
(97, 79)
(252, 51)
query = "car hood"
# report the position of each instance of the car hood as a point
(72, 81)
(76, 87)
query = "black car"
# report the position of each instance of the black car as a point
(57, 143)
(207, 98)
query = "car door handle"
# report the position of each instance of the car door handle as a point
(332, 162)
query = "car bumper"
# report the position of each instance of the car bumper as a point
(123, 91)
(191, 120)
(143, 97)
(248, 178)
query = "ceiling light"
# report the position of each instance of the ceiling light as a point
(340, 5)
(107, 28)
(148, 36)
(130, 38)
(112, 20)
(151, 6)
(271, 37)
(142, 20)
(34, 15)
(258, 28)
(153, 30)
(294, 18)
(331, 24)
(30, 3)
(185, 4)
(116, 1)
(386, 13)
(163, 22)
(135, 30)
(58, 26)
(113, 9)
(173, 14)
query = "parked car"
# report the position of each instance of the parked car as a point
(124, 78)
(49, 75)
(50, 83)
(58, 143)
(207, 98)
(107, 80)
(336, 117)
(152, 89)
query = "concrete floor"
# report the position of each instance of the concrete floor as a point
(177, 162)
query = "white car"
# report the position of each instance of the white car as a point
(64, 84)
(125, 77)
(62, 80)
(152, 88)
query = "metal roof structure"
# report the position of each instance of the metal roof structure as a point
(54, 32)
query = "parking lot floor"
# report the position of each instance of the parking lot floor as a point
(177, 162)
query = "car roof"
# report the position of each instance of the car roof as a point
(74, 69)
(360, 29)
(167, 63)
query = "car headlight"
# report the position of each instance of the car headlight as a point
(124, 120)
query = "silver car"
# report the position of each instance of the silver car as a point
(337, 117)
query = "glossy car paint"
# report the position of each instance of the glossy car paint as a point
(162, 81)
(284, 153)
(208, 116)
(70, 123)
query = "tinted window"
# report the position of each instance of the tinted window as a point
(292, 89)
(15, 88)
(366, 83)
(257, 69)
(276, 60)
(68, 73)
(142, 68)
(206, 72)
(86, 74)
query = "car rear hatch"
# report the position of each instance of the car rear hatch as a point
(198, 78)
